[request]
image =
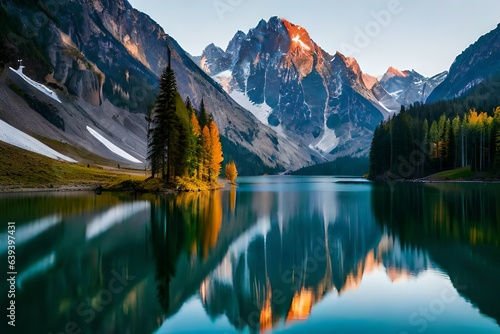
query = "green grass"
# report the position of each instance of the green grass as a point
(21, 169)
(77, 153)
(464, 173)
(24, 169)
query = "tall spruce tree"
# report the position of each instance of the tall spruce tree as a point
(203, 117)
(163, 134)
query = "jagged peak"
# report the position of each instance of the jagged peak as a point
(238, 34)
(353, 64)
(394, 71)
(212, 46)
(349, 62)
(300, 39)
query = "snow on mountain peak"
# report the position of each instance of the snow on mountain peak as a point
(302, 48)
(299, 36)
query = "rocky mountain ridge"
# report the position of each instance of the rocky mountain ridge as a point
(293, 86)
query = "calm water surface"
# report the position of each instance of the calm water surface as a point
(281, 254)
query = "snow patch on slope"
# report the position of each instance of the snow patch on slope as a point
(112, 147)
(260, 111)
(327, 143)
(35, 84)
(13, 136)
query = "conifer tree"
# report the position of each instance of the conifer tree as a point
(163, 135)
(434, 139)
(497, 140)
(203, 118)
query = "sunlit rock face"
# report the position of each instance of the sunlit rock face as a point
(306, 94)
(292, 85)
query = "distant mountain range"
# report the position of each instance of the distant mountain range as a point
(280, 101)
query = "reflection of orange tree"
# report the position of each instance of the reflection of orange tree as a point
(211, 220)
(232, 198)
(189, 222)
(202, 212)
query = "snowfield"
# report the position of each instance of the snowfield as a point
(13, 136)
(112, 147)
(35, 84)
(327, 143)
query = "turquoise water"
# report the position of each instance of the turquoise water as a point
(277, 254)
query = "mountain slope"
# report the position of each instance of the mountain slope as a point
(479, 62)
(105, 55)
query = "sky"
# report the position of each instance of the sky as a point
(424, 35)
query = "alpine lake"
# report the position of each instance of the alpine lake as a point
(278, 254)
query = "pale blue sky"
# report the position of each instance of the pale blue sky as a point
(425, 35)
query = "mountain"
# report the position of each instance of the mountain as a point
(478, 63)
(293, 86)
(299, 90)
(103, 60)
(408, 87)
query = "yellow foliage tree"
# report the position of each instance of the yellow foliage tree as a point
(231, 171)
(216, 157)
(206, 159)
(195, 125)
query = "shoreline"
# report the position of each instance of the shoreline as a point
(95, 187)
(63, 188)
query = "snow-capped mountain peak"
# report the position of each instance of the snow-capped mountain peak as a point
(291, 84)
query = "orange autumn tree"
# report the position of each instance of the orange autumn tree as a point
(195, 162)
(216, 156)
(206, 157)
(231, 171)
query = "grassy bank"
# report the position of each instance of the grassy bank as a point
(23, 170)
(20, 169)
(460, 174)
